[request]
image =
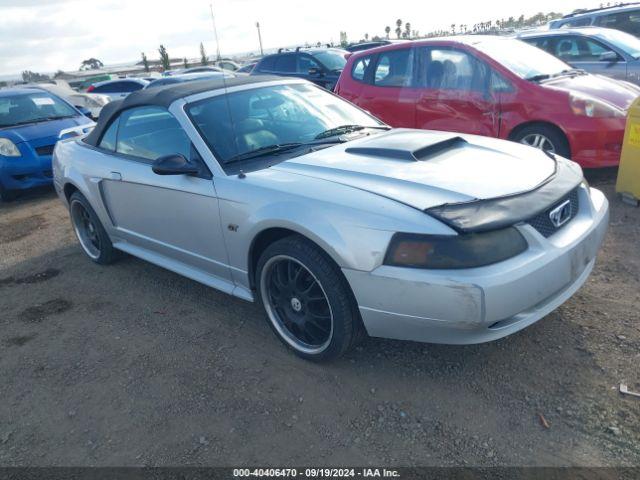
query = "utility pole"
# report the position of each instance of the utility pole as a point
(215, 32)
(260, 39)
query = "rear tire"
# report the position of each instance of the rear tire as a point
(93, 238)
(308, 301)
(544, 137)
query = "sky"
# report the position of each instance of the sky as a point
(47, 35)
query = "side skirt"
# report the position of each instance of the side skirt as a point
(186, 271)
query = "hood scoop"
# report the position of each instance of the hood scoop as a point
(410, 154)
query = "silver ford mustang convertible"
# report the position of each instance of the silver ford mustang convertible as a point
(279, 191)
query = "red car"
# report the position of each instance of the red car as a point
(492, 86)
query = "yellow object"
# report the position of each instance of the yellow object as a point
(629, 172)
(634, 134)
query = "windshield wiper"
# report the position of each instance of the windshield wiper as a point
(264, 151)
(545, 76)
(538, 78)
(35, 120)
(572, 71)
(58, 117)
(342, 129)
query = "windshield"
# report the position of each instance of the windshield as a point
(25, 108)
(331, 60)
(523, 59)
(623, 41)
(242, 122)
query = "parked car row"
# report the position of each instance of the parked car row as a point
(624, 17)
(490, 86)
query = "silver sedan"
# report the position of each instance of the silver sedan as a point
(601, 51)
(279, 192)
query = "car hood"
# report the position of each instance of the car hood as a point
(612, 91)
(423, 169)
(36, 131)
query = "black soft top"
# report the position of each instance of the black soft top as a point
(165, 95)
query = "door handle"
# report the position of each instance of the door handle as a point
(115, 176)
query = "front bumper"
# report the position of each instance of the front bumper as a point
(23, 173)
(597, 142)
(483, 304)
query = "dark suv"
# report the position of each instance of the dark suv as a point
(321, 66)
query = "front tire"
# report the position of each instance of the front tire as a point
(92, 236)
(544, 137)
(308, 301)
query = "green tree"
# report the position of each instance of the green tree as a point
(407, 30)
(91, 64)
(58, 74)
(344, 41)
(164, 58)
(32, 77)
(398, 28)
(145, 62)
(185, 62)
(204, 60)
(387, 30)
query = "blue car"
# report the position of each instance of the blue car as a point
(30, 123)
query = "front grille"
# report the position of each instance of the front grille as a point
(542, 221)
(45, 150)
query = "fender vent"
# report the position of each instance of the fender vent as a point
(45, 150)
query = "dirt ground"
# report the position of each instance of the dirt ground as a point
(134, 365)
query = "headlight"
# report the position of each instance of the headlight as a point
(454, 252)
(591, 107)
(8, 148)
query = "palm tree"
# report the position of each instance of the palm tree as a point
(398, 27)
(407, 29)
(203, 55)
(453, 28)
(145, 62)
(387, 30)
(164, 58)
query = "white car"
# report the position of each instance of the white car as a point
(118, 89)
(278, 191)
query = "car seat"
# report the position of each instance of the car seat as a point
(252, 135)
(435, 73)
(564, 50)
(449, 75)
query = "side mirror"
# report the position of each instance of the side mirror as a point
(314, 71)
(174, 164)
(84, 110)
(610, 57)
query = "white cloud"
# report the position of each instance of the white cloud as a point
(48, 35)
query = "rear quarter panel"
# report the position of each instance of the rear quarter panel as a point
(77, 164)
